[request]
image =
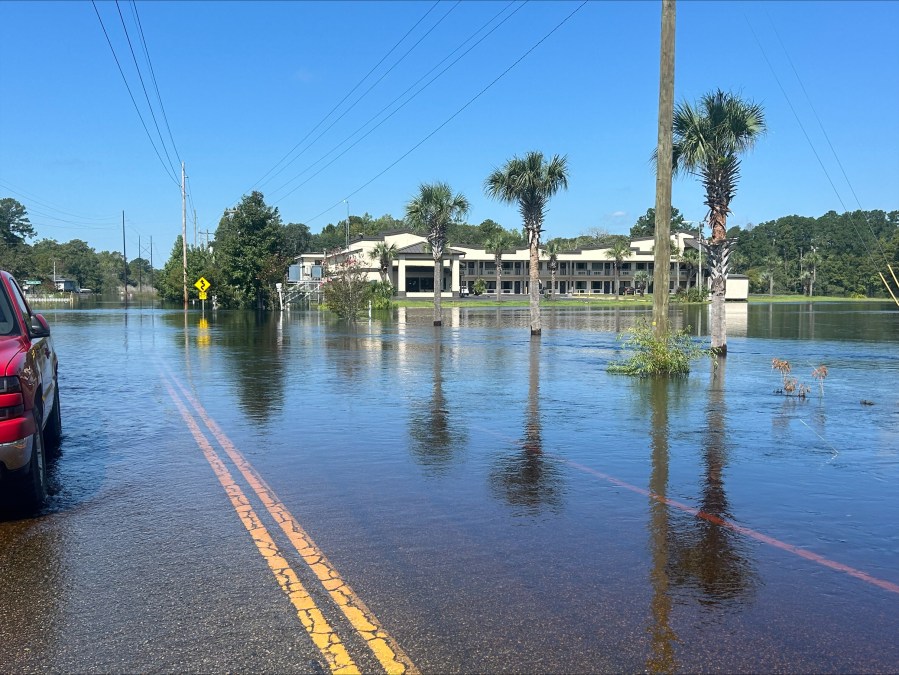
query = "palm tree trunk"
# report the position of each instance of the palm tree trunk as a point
(534, 275)
(552, 283)
(438, 290)
(499, 274)
(719, 254)
(617, 283)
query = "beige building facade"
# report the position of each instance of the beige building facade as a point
(587, 271)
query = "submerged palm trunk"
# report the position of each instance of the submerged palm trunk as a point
(534, 276)
(438, 290)
(719, 254)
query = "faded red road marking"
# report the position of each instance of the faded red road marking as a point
(746, 531)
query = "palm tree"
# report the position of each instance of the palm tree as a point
(641, 280)
(496, 243)
(530, 181)
(433, 210)
(811, 261)
(772, 264)
(553, 249)
(618, 251)
(690, 259)
(383, 253)
(708, 139)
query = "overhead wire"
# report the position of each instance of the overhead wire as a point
(826, 136)
(143, 40)
(400, 107)
(131, 95)
(350, 92)
(454, 115)
(824, 168)
(365, 93)
(144, 88)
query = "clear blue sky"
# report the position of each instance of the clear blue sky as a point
(243, 83)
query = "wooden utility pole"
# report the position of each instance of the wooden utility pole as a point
(124, 262)
(184, 233)
(662, 273)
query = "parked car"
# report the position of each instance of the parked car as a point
(30, 420)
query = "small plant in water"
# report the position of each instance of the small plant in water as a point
(791, 386)
(651, 355)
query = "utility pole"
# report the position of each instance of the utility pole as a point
(661, 272)
(195, 227)
(151, 259)
(347, 202)
(184, 233)
(140, 271)
(124, 262)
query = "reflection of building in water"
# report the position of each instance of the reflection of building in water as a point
(736, 314)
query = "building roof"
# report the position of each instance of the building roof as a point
(421, 248)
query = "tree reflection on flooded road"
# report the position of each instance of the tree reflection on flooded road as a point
(288, 493)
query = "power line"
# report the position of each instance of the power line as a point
(47, 205)
(153, 77)
(143, 86)
(454, 115)
(136, 108)
(349, 93)
(827, 138)
(366, 92)
(812, 145)
(409, 100)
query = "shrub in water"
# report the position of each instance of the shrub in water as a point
(667, 355)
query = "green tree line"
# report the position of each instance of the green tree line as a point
(834, 254)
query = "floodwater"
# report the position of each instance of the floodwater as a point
(501, 504)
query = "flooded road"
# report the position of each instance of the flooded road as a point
(287, 493)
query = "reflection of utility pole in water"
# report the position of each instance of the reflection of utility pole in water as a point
(662, 636)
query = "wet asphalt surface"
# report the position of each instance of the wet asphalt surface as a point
(474, 535)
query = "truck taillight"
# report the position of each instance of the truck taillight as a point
(10, 385)
(11, 404)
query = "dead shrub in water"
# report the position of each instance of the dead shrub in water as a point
(791, 386)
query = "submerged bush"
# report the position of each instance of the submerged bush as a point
(695, 294)
(346, 289)
(667, 355)
(382, 293)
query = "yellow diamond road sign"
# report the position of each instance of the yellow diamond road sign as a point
(202, 285)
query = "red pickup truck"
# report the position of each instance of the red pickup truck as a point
(30, 422)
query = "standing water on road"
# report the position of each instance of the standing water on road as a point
(504, 504)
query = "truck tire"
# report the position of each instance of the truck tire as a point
(53, 431)
(33, 486)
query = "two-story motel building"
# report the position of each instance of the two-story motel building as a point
(586, 271)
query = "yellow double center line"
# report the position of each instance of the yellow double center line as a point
(383, 646)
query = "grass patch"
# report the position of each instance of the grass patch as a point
(652, 356)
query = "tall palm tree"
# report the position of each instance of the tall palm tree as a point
(497, 243)
(811, 261)
(618, 251)
(383, 254)
(708, 139)
(553, 249)
(434, 209)
(530, 181)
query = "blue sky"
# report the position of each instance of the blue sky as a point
(243, 83)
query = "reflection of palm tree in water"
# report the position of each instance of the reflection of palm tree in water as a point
(526, 479)
(688, 551)
(709, 556)
(429, 426)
